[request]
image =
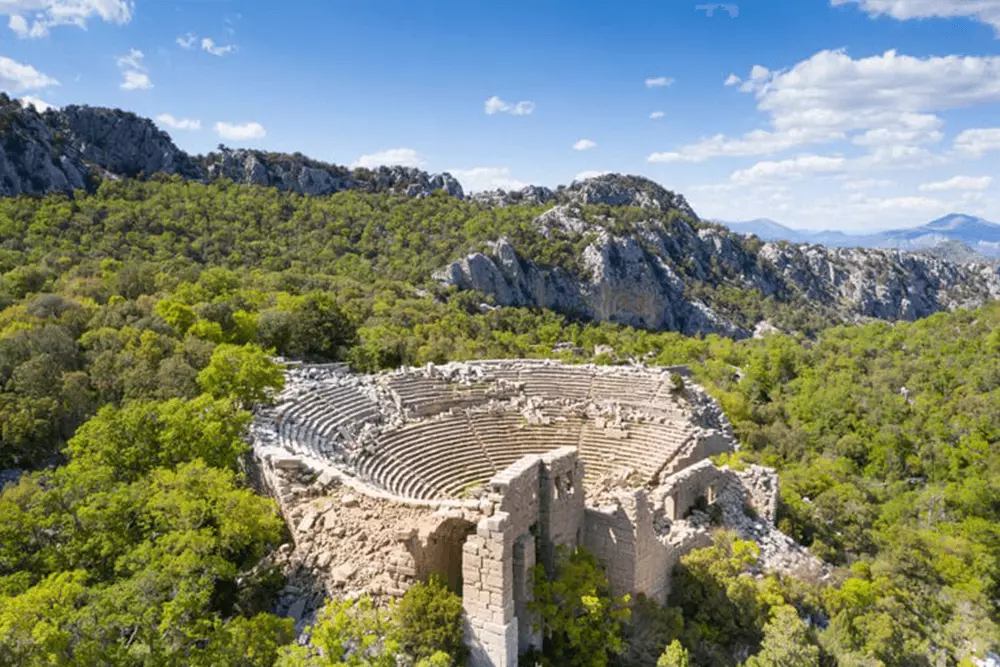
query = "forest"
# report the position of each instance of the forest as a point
(140, 325)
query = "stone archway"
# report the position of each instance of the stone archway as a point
(439, 550)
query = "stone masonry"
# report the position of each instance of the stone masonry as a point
(361, 473)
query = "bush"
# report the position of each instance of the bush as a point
(429, 621)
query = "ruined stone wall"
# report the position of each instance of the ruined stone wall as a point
(561, 503)
(490, 579)
(678, 493)
(610, 536)
(761, 487)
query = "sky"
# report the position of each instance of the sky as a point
(854, 115)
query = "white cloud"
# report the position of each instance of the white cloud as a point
(41, 106)
(590, 173)
(959, 183)
(888, 99)
(47, 14)
(757, 142)
(976, 142)
(924, 204)
(134, 75)
(867, 184)
(899, 157)
(985, 11)
(792, 169)
(187, 40)
(17, 77)
(656, 115)
(132, 80)
(208, 44)
(478, 179)
(733, 80)
(132, 60)
(495, 105)
(393, 157)
(178, 123)
(240, 131)
(658, 82)
(584, 145)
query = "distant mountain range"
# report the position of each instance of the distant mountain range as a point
(980, 236)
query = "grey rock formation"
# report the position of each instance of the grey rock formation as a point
(644, 279)
(298, 173)
(608, 189)
(76, 146)
(532, 195)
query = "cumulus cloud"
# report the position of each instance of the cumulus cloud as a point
(875, 101)
(588, 174)
(31, 19)
(584, 145)
(17, 77)
(187, 41)
(976, 142)
(656, 115)
(132, 60)
(478, 179)
(240, 131)
(208, 44)
(889, 204)
(134, 75)
(178, 123)
(393, 157)
(733, 80)
(40, 105)
(793, 169)
(867, 184)
(658, 82)
(495, 105)
(959, 183)
(135, 81)
(985, 11)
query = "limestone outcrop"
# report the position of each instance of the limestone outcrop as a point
(649, 278)
(75, 147)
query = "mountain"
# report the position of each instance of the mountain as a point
(680, 275)
(75, 147)
(616, 247)
(980, 236)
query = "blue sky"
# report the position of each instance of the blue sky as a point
(838, 114)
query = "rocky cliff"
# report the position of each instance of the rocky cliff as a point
(76, 146)
(667, 277)
(607, 189)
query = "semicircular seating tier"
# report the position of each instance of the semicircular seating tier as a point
(437, 432)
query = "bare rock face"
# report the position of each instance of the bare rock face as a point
(607, 190)
(298, 173)
(645, 278)
(120, 142)
(77, 146)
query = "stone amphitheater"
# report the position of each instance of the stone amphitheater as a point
(478, 471)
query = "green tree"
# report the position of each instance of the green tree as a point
(246, 374)
(581, 622)
(429, 620)
(675, 655)
(786, 642)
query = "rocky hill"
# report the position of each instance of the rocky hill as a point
(673, 277)
(607, 189)
(77, 146)
(615, 247)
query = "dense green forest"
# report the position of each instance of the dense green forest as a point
(136, 333)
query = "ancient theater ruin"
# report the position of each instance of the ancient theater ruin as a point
(478, 471)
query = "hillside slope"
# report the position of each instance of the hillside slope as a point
(683, 277)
